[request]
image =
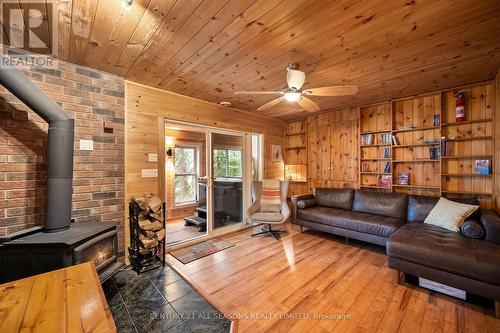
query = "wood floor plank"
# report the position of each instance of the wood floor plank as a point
(283, 286)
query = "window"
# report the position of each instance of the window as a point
(186, 173)
(227, 163)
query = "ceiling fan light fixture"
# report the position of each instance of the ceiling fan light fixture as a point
(292, 96)
(127, 4)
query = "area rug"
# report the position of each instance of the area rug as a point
(197, 251)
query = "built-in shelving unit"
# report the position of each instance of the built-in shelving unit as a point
(421, 125)
(296, 156)
(375, 147)
(469, 141)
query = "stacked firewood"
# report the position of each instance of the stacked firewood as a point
(151, 230)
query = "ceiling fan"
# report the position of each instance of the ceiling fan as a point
(293, 92)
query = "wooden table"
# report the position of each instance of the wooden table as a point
(65, 300)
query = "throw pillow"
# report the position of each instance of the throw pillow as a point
(472, 229)
(303, 204)
(270, 198)
(449, 214)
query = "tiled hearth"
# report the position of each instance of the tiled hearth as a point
(160, 301)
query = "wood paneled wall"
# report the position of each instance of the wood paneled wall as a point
(146, 110)
(333, 149)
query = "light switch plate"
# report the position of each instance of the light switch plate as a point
(86, 145)
(152, 157)
(149, 173)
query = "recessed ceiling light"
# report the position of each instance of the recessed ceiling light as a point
(225, 103)
(127, 4)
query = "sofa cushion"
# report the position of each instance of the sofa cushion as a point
(446, 250)
(306, 203)
(334, 197)
(386, 204)
(356, 221)
(449, 214)
(267, 217)
(472, 229)
(419, 206)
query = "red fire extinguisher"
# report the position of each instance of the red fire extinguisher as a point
(460, 107)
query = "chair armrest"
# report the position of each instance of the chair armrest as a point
(285, 211)
(297, 198)
(254, 208)
(491, 224)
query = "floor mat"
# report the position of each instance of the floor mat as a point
(197, 251)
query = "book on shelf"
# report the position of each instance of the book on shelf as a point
(482, 167)
(387, 152)
(431, 141)
(403, 178)
(385, 138)
(385, 181)
(387, 168)
(437, 119)
(395, 140)
(446, 147)
(434, 153)
(367, 139)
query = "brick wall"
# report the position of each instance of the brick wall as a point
(92, 97)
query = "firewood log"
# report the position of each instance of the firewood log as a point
(160, 235)
(148, 243)
(156, 216)
(149, 226)
(147, 233)
(155, 204)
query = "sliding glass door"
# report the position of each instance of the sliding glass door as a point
(227, 179)
(208, 176)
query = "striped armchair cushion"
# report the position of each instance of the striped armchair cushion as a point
(270, 200)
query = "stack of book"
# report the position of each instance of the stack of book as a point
(395, 140)
(385, 138)
(387, 168)
(366, 139)
(446, 147)
(387, 152)
(434, 153)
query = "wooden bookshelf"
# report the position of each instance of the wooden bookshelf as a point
(411, 121)
(470, 140)
(296, 156)
(375, 121)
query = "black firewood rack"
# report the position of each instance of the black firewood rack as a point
(144, 262)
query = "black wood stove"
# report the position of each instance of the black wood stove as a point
(59, 243)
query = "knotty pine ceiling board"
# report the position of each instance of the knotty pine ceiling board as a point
(210, 48)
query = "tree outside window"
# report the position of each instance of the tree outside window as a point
(185, 166)
(227, 163)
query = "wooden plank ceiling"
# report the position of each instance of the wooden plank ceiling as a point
(210, 48)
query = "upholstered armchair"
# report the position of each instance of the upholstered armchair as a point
(263, 213)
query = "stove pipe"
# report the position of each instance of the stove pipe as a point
(60, 146)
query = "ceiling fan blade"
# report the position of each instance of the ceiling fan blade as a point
(332, 91)
(307, 104)
(295, 78)
(271, 104)
(257, 92)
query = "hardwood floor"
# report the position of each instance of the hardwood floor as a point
(311, 275)
(177, 231)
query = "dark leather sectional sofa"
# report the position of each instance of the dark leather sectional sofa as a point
(395, 220)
